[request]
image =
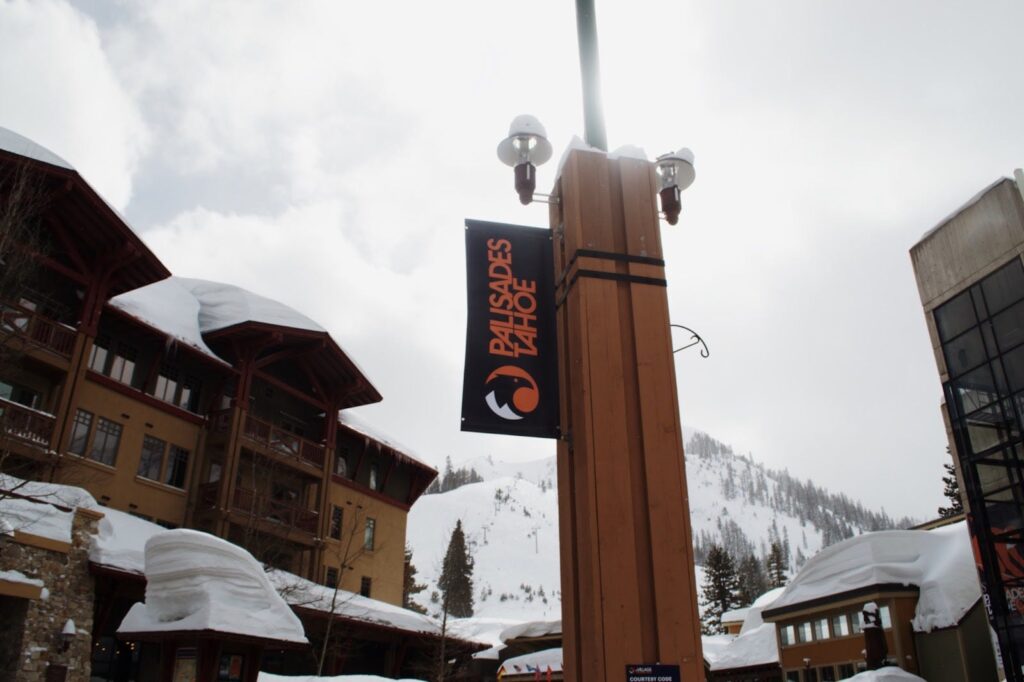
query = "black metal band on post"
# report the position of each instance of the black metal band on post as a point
(593, 117)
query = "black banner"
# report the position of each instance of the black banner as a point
(510, 380)
(652, 673)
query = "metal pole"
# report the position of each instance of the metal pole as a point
(593, 118)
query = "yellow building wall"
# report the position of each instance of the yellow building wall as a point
(120, 486)
(384, 565)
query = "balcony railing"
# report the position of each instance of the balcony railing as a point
(26, 424)
(283, 443)
(274, 511)
(37, 329)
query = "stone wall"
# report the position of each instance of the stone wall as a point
(68, 594)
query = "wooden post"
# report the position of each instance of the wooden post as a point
(628, 584)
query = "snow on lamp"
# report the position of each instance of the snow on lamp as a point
(525, 148)
(675, 173)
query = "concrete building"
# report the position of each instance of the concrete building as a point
(971, 281)
(186, 402)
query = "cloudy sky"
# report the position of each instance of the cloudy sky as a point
(326, 153)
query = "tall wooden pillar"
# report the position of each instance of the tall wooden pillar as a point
(628, 585)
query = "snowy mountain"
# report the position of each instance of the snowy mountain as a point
(511, 524)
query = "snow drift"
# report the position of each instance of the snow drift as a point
(195, 582)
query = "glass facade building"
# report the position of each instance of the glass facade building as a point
(981, 332)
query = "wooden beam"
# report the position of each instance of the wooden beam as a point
(290, 352)
(290, 390)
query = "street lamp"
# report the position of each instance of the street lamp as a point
(525, 148)
(675, 173)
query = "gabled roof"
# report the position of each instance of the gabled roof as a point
(88, 232)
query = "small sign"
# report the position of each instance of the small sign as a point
(652, 673)
(510, 379)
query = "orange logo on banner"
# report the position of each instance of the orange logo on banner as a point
(524, 398)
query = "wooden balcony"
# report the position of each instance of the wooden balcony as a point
(280, 442)
(263, 512)
(37, 330)
(25, 424)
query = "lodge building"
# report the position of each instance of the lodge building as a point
(190, 403)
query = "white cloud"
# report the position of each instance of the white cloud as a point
(58, 88)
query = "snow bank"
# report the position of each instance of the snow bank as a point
(939, 562)
(195, 581)
(11, 141)
(887, 674)
(753, 617)
(532, 662)
(714, 645)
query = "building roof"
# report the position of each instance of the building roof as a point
(939, 563)
(966, 205)
(537, 628)
(91, 228)
(756, 643)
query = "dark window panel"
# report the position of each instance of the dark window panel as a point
(991, 426)
(106, 441)
(965, 352)
(152, 458)
(177, 467)
(955, 316)
(1009, 327)
(80, 432)
(975, 390)
(1004, 286)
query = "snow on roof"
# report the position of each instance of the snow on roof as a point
(939, 562)
(970, 202)
(753, 617)
(714, 645)
(889, 673)
(735, 615)
(537, 628)
(532, 662)
(188, 308)
(19, 577)
(304, 593)
(11, 141)
(268, 677)
(41, 514)
(121, 541)
(359, 424)
(754, 647)
(196, 581)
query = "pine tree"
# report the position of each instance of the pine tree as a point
(411, 587)
(952, 493)
(719, 592)
(456, 581)
(753, 582)
(776, 564)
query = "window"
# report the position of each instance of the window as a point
(177, 467)
(827, 674)
(803, 632)
(188, 397)
(883, 613)
(840, 625)
(792, 675)
(821, 628)
(80, 432)
(183, 393)
(166, 388)
(845, 670)
(373, 476)
(788, 635)
(340, 462)
(365, 585)
(857, 622)
(336, 518)
(122, 366)
(368, 534)
(106, 442)
(331, 579)
(151, 461)
(19, 394)
(811, 675)
(98, 356)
